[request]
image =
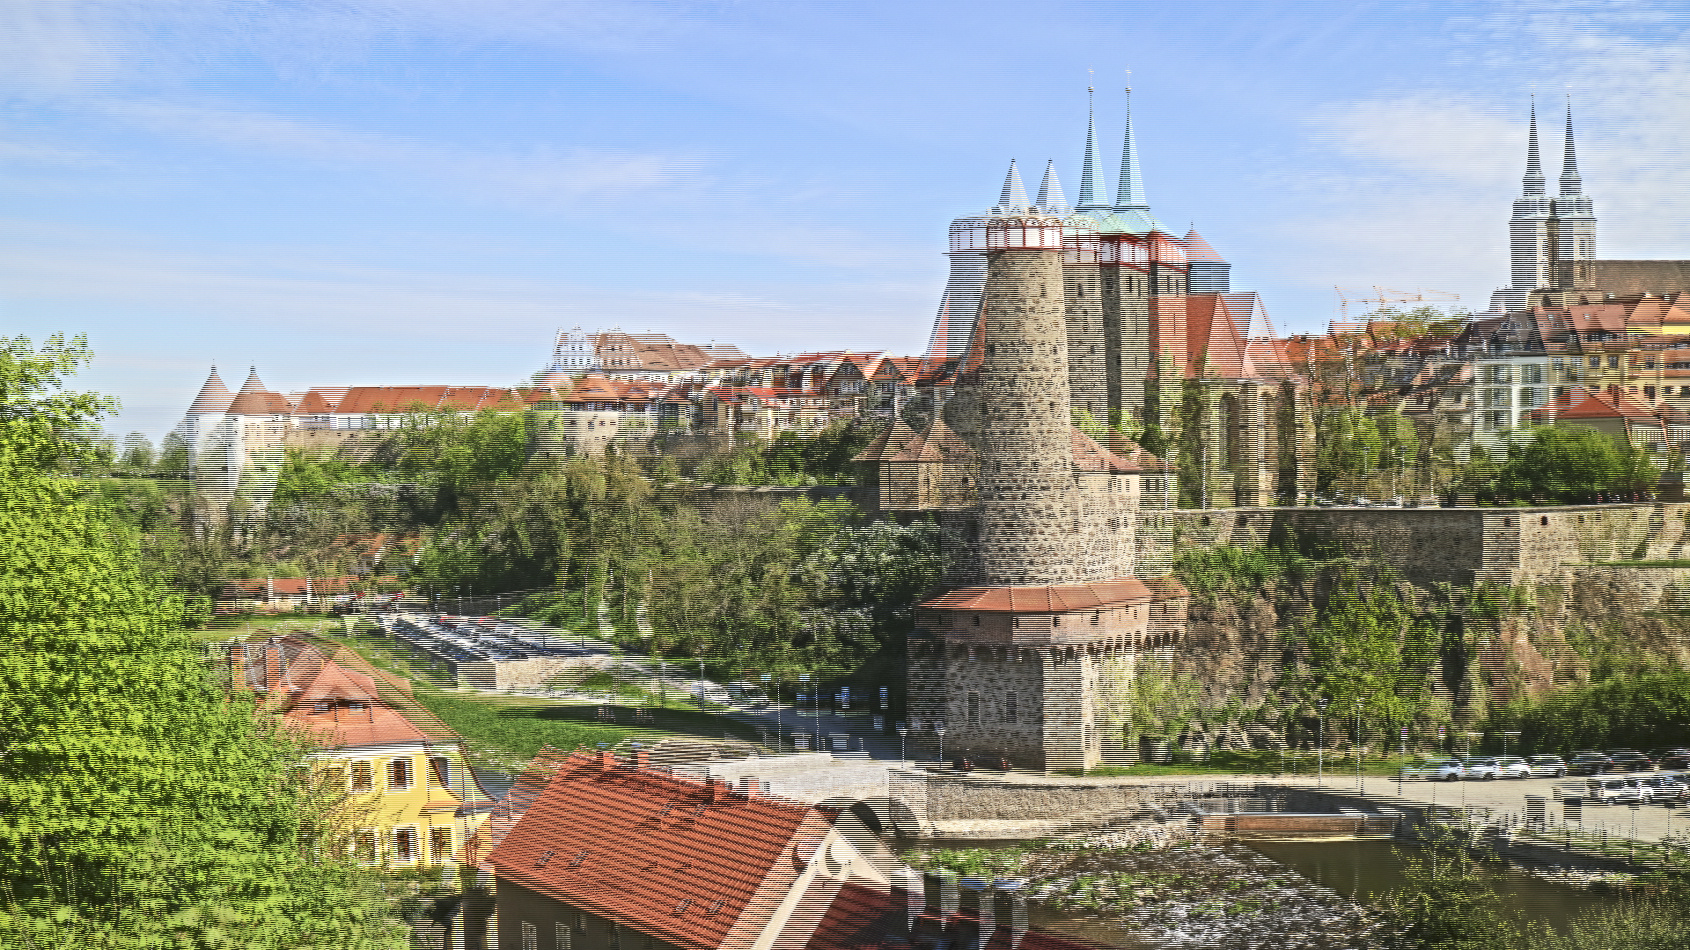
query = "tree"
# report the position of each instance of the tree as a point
(137, 451)
(1573, 463)
(1349, 447)
(461, 450)
(141, 804)
(172, 455)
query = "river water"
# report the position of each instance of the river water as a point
(1222, 894)
(1367, 869)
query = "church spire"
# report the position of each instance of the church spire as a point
(1570, 184)
(1129, 196)
(1534, 168)
(1014, 196)
(1091, 198)
(1050, 190)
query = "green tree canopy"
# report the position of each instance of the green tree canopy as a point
(140, 804)
(1572, 463)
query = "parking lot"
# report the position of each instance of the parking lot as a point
(1653, 821)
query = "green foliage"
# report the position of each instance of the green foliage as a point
(792, 459)
(1450, 900)
(1232, 569)
(1647, 924)
(1369, 648)
(1643, 711)
(172, 455)
(1349, 446)
(462, 451)
(1572, 464)
(140, 804)
(48, 427)
(307, 476)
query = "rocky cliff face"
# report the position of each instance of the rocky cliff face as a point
(1245, 645)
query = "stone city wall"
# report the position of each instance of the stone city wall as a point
(1459, 546)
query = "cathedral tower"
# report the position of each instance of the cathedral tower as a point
(1552, 240)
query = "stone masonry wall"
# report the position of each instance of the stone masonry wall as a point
(1026, 465)
(1459, 546)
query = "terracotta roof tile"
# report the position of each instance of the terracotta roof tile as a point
(686, 861)
(1044, 599)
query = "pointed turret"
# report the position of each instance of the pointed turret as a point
(1198, 250)
(214, 396)
(1051, 198)
(1014, 197)
(1129, 196)
(1091, 196)
(256, 399)
(1534, 168)
(1570, 184)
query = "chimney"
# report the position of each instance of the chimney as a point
(1011, 901)
(751, 786)
(716, 790)
(942, 897)
(909, 881)
(607, 760)
(979, 900)
(641, 758)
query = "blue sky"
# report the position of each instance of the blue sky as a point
(424, 191)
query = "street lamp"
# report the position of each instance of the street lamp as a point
(1320, 743)
(903, 750)
(769, 678)
(1360, 787)
(1506, 735)
(939, 727)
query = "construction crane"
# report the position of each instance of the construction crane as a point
(1383, 297)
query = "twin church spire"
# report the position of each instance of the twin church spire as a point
(1571, 184)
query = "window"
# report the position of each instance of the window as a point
(323, 707)
(976, 620)
(530, 936)
(440, 771)
(399, 775)
(1596, 362)
(440, 845)
(1613, 362)
(404, 844)
(973, 709)
(364, 845)
(565, 938)
(1009, 708)
(360, 776)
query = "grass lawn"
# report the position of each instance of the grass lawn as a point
(230, 626)
(507, 730)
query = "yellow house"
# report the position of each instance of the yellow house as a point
(413, 798)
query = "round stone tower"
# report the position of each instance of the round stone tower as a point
(1026, 458)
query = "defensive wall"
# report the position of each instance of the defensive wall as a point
(1458, 546)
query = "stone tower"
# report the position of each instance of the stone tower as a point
(1026, 479)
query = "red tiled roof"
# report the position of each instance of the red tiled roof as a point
(1089, 456)
(683, 860)
(1044, 599)
(255, 400)
(393, 399)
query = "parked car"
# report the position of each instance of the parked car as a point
(1628, 760)
(1589, 763)
(1675, 759)
(1435, 769)
(1666, 787)
(1617, 790)
(1482, 769)
(1547, 766)
(1512, 766)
